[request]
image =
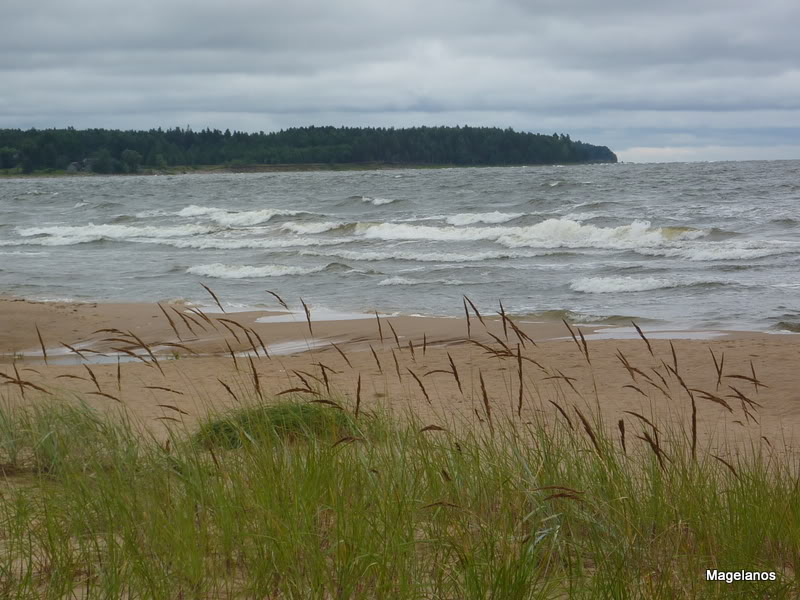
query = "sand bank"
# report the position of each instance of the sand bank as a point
(208, 363)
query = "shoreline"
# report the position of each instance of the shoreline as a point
(280, 168)
(62, 317)
(201, 365)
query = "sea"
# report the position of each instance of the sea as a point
(680, 245)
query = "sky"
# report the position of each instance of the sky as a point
(654, 81)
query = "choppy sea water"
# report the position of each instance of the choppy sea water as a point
(694, 245)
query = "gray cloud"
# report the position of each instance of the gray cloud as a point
(650, 80)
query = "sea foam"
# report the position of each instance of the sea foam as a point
(234, 218)
(489, 218)
(409, 281)
(66, 235)
(551, 233)
(605, 285)
(713, 251)
(209, 243)
(444, 257)
(310, 228)
(223, 271)
(377, 201)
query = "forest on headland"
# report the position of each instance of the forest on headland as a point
(116, 151)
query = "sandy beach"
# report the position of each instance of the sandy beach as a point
(207, 364)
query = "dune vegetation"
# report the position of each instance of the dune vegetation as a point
(312, 495)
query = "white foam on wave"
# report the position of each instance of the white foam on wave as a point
(198, 211)
(400, 231)
(206, 243)
(606, 285)
(473, 218)
(223, 271)
(310, 228)
(234, 218)
(447, 257)
(718, 251)
(377, 201)
(320, 313)
(551, 233)
(67, 235)
(21, 253)
(409, 281)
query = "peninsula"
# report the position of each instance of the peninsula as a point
(115, 151)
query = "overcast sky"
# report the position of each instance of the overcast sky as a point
(654, 81)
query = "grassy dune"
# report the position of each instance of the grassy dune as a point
(299, 499)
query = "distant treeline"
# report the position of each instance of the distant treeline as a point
(115, 151)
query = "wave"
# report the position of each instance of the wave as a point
(376, 201)
(67, 235)
(240, 244)
(311, 228)
(561, 183)
(598, 204)
(148, 214)
(586, 318)
(604, 285)
(223, 271)
(409, 281)
(608, 285)
(581, 216)
(443, 257)
(490, 218)
(115, 231)
(551, 233)
(21, 253)
(234, 218)
(792, 326)
(35, 192)
(716, 234)
(719, 251)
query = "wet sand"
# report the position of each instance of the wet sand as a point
(196, 357)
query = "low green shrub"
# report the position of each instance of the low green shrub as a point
(290, 421)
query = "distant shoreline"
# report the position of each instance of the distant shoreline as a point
(276, 168)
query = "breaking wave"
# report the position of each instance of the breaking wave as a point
(490, 218)
(609, 285)
(409, 281)
(552, 233)
(376, 201)
(310, 228)
(444, 257)
(67, 235)
(223, 271)
(792, 326)
(604, 285)
(233, 218)
(578, 317)
(240, 244)
(719, 251)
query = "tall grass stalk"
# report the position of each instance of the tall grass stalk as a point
(301, 500)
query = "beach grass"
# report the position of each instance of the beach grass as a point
(291, 499)
(309, 494)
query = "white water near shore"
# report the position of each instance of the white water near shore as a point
(697, 245)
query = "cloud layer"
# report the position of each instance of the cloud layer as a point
(670, 81)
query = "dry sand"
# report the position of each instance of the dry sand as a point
(555, 371)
